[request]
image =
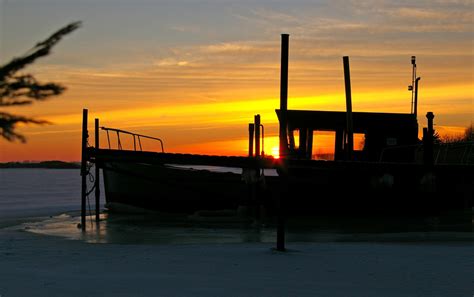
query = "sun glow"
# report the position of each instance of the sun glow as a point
(275, 152)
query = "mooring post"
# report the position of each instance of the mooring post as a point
(428, 139)
(84, 158)
(350, 131)
(97, 175)
(251, 131)
(255, 186)
(257, 135)
(281, 216)
(285, 42)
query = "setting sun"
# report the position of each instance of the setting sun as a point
(275, 152)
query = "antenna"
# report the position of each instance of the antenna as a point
(412, 86)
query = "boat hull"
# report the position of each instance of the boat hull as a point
(323, 188)
(378, 189)
(171, 189)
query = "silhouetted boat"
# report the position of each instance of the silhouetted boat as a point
(392, 172)
(182, 183)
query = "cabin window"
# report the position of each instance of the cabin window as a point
(323, 145)
(296, 137)
(359, 141)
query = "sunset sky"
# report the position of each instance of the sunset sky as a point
(194, 73)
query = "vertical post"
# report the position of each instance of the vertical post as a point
(285, 41)
(415, 110)
(97, 174)
(255, 187)
(84, 158)
(280, 244)
(412, 86)
(350, 131)
(338, 145)
(430, 117)
(428, 139)
(251, 130)
(302, 146)
(257, 135)
(309, 150)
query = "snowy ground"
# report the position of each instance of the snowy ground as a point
(194, 259)
(39, 265)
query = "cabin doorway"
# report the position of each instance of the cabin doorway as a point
(323, 145)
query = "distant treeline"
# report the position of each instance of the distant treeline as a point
(43, 164)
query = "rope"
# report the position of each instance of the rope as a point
(91, 177)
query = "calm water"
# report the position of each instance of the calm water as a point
(47, 201)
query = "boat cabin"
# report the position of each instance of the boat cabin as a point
(390, 137)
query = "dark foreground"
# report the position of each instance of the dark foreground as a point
(35, 265)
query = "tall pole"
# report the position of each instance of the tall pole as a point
(350, 131)
(285, 41)
(412, 87)
(84, 169)
(415, 109)
(97, 175)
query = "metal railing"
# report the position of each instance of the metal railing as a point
(443, 153)
(136, 138)
(455, 152)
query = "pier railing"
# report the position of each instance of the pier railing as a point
(443, 153)
(454, 153)
(136, 138)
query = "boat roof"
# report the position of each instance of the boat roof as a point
(335, 120)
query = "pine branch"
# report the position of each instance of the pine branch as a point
(39, 50)
(25, 89)
(26, 86)
(9, 122)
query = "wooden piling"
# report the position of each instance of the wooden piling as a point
(97, 175)
(84, 169)
(257, 135)
(251, 131)
(350, 131)
(285, 42)
(281, 216)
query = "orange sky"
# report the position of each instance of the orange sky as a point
(197, 80)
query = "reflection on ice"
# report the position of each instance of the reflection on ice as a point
(182, 229)
(150, 229)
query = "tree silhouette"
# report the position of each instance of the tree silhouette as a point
(24, 89)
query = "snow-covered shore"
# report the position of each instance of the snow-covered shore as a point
(39, 265)
(193, 260)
